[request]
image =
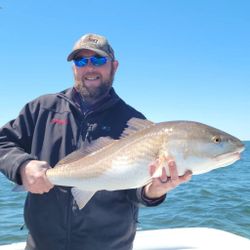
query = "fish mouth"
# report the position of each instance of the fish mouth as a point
(229, 158)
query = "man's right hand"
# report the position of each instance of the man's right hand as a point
(33, 175)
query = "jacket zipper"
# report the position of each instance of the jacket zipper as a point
(70, 198)
(69, 208)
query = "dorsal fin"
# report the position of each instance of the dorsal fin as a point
(134, 125)
(86, 149)
(98, 144)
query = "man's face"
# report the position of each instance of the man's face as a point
(91, 81)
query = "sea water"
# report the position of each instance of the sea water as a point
(219, 199)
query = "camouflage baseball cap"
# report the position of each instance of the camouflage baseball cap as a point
(93, 42)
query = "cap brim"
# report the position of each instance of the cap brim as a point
(72, 55)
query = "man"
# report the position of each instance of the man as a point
(52, 126)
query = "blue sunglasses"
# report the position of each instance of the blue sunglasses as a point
(97, 61)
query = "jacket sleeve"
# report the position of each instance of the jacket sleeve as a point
(138, 197)
(15, 143)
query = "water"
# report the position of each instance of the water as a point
(219, 199)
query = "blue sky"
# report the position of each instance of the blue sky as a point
(179, 59)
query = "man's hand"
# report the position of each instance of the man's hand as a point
(163, 184)
(33, 174)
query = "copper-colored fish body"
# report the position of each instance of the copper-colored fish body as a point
(124, 164)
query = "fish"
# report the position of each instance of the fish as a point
(108, 164)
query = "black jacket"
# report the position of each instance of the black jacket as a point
(49, 128)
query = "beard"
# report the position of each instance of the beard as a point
(92, 94)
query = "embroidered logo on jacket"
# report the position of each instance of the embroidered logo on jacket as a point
(59, 121)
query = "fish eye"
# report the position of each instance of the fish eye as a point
(216, 139)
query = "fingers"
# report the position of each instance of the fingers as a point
(186, 177)
(164, 178)
(174, 180)
(162, 183)
(152, 169)
(33, 174)
(41, 184)
(173, 170)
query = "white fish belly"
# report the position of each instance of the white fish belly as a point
(122, 175)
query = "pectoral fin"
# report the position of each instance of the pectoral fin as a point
(82, 197)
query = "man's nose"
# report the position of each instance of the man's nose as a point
(89, 65)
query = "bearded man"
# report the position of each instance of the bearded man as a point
(52, 126)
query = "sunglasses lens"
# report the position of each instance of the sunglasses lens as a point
(98, 61)
(81, 62)
(95, 60)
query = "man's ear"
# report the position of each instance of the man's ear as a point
(115, 65)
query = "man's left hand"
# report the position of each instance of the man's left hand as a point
(163, 184)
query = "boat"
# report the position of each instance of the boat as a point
(198, 238)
